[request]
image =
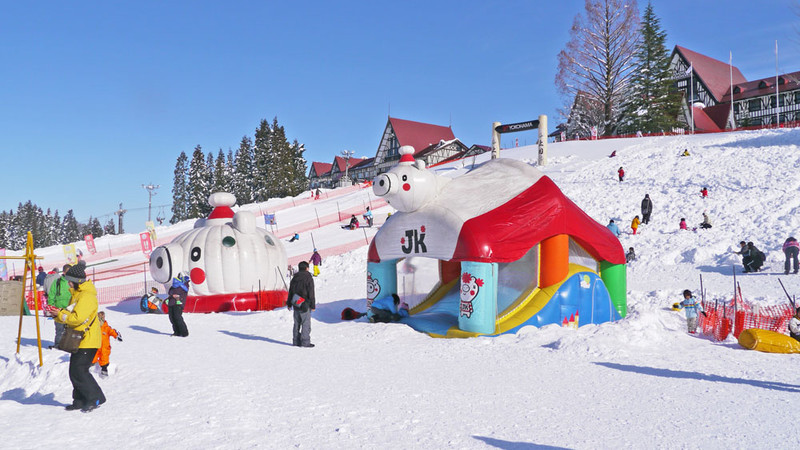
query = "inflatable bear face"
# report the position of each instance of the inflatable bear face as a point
(408, 186)
(224, 254)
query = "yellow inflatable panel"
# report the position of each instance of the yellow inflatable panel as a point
(768, 341)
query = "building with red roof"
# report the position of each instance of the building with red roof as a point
(319, 175)
(724, 99)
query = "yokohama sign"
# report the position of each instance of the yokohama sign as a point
(514, 127)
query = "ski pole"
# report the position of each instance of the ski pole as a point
(787, 293)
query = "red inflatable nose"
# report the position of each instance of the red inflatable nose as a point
(197, 275)
(406, 186)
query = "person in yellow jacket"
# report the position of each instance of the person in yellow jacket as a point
(80, 315)
(635, 224)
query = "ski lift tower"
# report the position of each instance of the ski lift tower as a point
(151, 192)
(345, 180)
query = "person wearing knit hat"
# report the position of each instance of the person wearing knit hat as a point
(77, 273)
(82, 315)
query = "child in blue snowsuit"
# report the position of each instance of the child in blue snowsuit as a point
(386, 309)
(692, 308)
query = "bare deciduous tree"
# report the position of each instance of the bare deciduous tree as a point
(597, 62)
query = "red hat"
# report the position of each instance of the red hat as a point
(407, 153)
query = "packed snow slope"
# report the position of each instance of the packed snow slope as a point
(642, 382)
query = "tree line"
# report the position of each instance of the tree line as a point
(614, 72)
(48, 228)
(267, 166)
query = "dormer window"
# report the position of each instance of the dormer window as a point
(737, 90)
(762, 84)
(781, 80)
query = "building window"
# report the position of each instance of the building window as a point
(394, 148)
(754, 105)
(736, 107)
(755, 122)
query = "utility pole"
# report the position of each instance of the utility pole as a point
(347, 154)
(151, 192)
(120, 212)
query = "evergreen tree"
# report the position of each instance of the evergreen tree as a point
(198, 187)
(4, 227)
(180, 193)
(71, 229)
(279, 162)
(210, 172)
(109, 228)
(95, 229)
(242, 183)
(262, 162)
(298, 182)
(56, 229)
(221, 181)
(654, 104)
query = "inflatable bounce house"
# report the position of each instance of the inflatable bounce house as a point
(232, 264)
(512, 250)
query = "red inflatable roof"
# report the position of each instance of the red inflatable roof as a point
(506, 233)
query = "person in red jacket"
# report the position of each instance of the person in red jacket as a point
(105, 347)
(621, 174)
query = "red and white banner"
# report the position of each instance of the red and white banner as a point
(594, 133)
(147, 243)
(89, 239)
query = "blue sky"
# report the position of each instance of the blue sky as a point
(100, 97)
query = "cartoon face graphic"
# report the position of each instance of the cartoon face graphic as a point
(373, 288)
(223, 254)
(408, 186)
(470, 286)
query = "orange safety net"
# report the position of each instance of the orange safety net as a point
(735, 315)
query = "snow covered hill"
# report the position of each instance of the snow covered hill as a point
(642, 382)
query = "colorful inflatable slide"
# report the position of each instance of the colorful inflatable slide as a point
(512, 250)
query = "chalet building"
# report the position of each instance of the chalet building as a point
(754, 102)
(340, 167)
(432, 144)
(426, 139)
(319, 175)
(365, 170)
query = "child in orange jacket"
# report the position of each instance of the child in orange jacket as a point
(635, 224)
(105, 348)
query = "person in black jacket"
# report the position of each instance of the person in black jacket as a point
(176, 300)
(647, 208)
(302, 285)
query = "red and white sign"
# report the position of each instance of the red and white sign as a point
(147, 243)
(89, 239)
(594, 133)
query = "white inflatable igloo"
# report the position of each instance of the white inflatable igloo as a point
(232, 264)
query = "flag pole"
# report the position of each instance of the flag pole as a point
(730, 67)
(691, 95)
(777, 98)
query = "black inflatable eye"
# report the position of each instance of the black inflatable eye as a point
(405, 177)
(382, 182)
(228, 241)
(159, 262)
(196, 254)
(269, 241)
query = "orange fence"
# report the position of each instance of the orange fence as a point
(735, 316)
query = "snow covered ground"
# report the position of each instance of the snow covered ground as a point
(642, 382)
